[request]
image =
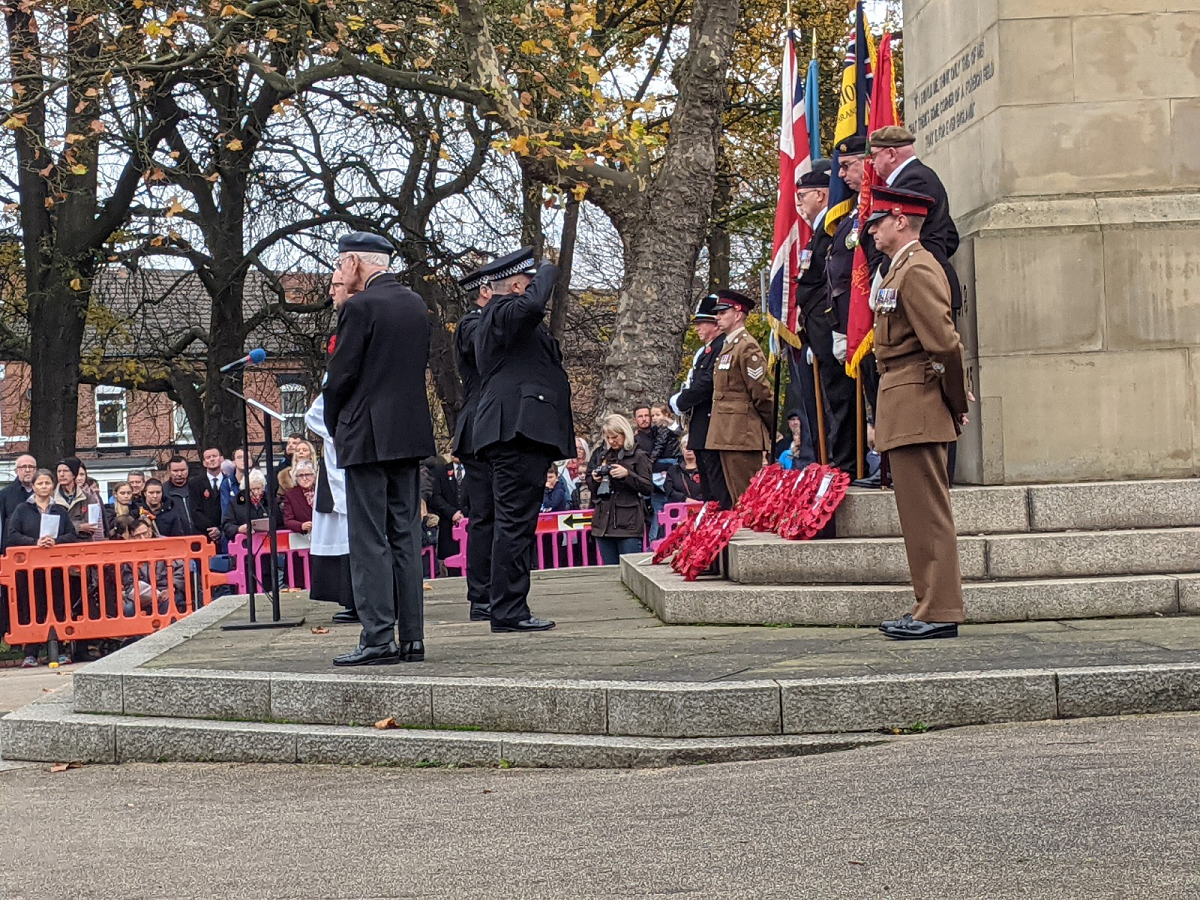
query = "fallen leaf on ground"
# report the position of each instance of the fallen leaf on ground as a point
(385, 724)
(63, 767)
(320, 629)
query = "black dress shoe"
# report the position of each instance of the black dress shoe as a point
(345, 616)
(412, 651)
(481, 613)
(387, 655)
(871, 481)
(531, 624)
(896, 623)
(916, 630)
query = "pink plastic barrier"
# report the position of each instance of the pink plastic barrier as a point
(672, 516)
(295, 561)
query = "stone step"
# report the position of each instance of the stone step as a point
(1097, 506)
(769, 559)
(719, 602)
(50, 731)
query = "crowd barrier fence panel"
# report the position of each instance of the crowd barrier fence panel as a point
(104, 590)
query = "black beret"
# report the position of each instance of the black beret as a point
(364, 242)
(855, 145)
(817, 178)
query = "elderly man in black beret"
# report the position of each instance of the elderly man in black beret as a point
(377, 411)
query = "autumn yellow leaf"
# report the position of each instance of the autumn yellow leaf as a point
(553, 12)
(590, 71)
(579, 191)
(378, 51)
(77, 284)
(520, 145)
(234, 145)
(16, 120)
(530, 48)
(79, 169)
(175, 207)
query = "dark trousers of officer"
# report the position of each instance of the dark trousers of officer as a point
(841, 409)
(712, 477)
(481, 521)
(383, 505)
(519, 471)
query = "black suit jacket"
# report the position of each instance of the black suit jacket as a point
(376, 408)
(697, 397)
(938, 235)
(10, 499)
(468, 372)
(839, 267)
(524, 390)
(206, 511)
(812, 294)
(442, 500)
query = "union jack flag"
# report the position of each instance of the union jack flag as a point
(792, 233)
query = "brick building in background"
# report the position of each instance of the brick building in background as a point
(123, 429)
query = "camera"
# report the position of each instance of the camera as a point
(604, 488)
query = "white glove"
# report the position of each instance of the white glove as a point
(674, 401)
(839, 347)
(808, 355)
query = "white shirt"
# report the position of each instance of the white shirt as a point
(900, 168)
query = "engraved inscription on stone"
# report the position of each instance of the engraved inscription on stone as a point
(944, 104)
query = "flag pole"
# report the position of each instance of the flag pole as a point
(860, 458)
(822, 451)
(814, 44)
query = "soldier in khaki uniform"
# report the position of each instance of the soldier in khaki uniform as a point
(742, 400)
(922, 407)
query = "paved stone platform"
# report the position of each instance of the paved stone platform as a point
(605, 633)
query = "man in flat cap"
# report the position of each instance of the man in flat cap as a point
(377, 411)
(522, 423)
(820, 322)
(695, 401)
(922, 408)
(477, 475)
(892, 154)
(741, 426)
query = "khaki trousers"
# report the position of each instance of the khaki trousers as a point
(739, 467)
(922, 491)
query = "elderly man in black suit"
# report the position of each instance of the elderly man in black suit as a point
(896, 161)
(377, 411)
(522, 423)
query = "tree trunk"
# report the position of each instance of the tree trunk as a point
(222, 425)
(664, 232)
(54, 364)
(566, 260)
(719, 245)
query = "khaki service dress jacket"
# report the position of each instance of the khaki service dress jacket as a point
(922, 384)
(742, 398)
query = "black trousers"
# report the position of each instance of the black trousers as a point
(519, 471)
(712, 477)
(383, 502)
(481, 522)
(841, 409)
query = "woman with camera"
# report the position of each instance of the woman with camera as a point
(618, 477)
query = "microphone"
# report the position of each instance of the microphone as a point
(253, 358)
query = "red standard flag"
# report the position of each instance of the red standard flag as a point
(792, 233)
(860, 334)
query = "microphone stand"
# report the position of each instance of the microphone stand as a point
(276, 620)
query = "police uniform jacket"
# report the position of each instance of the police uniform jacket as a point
(468, 372)
(696, 398)
(376, 408)
(922, 387)
(524, 390)
(742, 400)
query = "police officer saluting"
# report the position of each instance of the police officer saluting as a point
(522, 423)
(922, 407)
(477, 475)
(741, 426)
(696, 401)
